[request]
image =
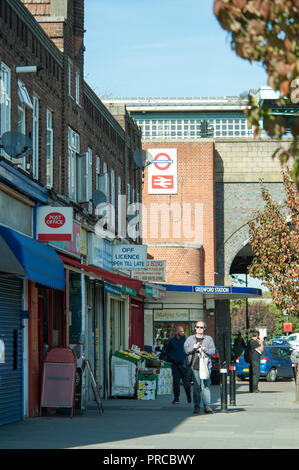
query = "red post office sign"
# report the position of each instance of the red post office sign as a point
(54, 223)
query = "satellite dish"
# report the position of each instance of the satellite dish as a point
(148, 159)
(16, 144)
(98, 197)
(142, 158)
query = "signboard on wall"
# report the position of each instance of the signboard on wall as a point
(162, 173)
(73, 246)
(155, 271)
(99, 252)
(129, 257)
(54, 223)
(114, 290)
(171, 314)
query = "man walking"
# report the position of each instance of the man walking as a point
(255, 352)
(195, 346)
(177, 357)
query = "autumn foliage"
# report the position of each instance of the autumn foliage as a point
(267, 31)
(274, 238)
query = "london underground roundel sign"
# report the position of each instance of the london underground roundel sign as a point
(162, 161)
(162, 173)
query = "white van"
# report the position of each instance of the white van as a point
(293, 339)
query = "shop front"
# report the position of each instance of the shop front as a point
(184, 305)
(11, 339)
(31, 300)
(99, 306)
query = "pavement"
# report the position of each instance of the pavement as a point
(266, 420)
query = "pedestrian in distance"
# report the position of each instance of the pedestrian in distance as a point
(295, 360)
(200, 346)
(239, 346)
(256, 348)
(158, 347)
(177, 357)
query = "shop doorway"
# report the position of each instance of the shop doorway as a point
(166, 330)
(118, 325)
(51, 322)
(136, 324)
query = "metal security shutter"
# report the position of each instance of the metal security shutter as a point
(11, 371)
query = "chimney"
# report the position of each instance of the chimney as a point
(51, 15)
(58, 16)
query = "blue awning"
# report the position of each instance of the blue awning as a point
(40, 262)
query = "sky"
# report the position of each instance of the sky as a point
(162, 48)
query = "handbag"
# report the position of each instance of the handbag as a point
(203, 368)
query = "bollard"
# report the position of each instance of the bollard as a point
(223, 375)
(295, 371)
(232, 384)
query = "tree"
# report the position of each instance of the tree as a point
(259, 315)
(267, 32)
(281, 319)
(274, 238)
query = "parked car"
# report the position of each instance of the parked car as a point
(281, 341)
(215, 371)
(293, 340)
(275, 363)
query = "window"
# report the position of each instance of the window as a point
(23, 94)
(5, 101)
(192, 128)
(20, 128)
(35, 129)
(275, 353)
(106, 188)
(128, 194)
(73, 152)
(69, 78)
(77, 87)
(49, 150)
(119, 186)
(98, 172)
(112, 177)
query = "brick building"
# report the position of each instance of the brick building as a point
(219, 166)
(59, 293)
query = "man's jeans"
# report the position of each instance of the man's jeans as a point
(201, 389)
(254, 375)
(178, 373)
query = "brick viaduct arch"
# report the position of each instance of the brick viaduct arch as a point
(239, 166)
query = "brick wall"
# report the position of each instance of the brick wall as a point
(20, 46)
(195, 185)
(23, 42)
(239, 166)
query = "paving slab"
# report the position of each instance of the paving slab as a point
(266, 420)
